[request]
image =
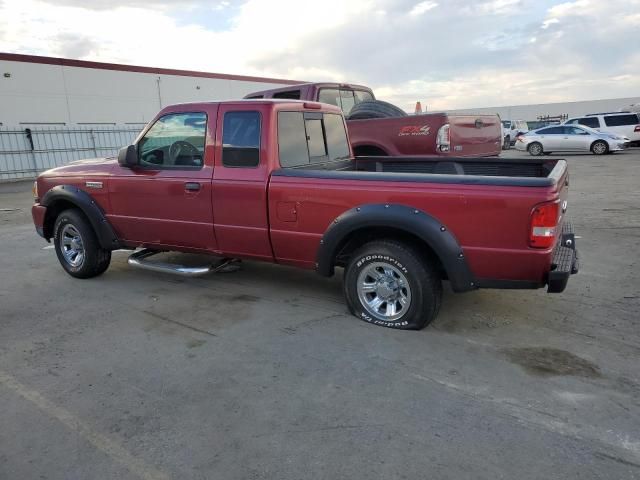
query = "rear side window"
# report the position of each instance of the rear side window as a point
(621, 120)
(292, 139)
(551, 131)
(592, 122)
(362, 96)
(348, 100)
(311, 138)
(330, 96)
(337, 144)
(290, 94)
(315, 139)
(241, 139)
(343, 98)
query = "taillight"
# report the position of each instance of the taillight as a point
(443, 139)
(637, 129)
(544, 223)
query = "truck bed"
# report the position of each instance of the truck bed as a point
(530, 172)
(487, 203)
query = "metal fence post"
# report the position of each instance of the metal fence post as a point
(29, 135)
(93, 142)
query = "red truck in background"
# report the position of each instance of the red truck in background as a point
(275, 180)
(379, 128)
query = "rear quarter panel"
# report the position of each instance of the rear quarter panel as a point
(490, 223)
(413, 135)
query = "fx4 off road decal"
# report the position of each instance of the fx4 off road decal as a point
(414, 130)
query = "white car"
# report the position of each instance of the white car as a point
(570, 138)
(626, 124)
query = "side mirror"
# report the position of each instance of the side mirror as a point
(128, 156)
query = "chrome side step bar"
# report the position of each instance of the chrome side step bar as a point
(140, 260)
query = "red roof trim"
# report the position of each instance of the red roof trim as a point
(67, 62)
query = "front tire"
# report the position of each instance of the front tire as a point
(77, 246)
(506, 144)
(600, 147)
(535, 149)
(390, 284)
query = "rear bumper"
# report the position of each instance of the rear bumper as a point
(565, 261)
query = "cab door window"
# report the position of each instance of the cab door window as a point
(175, 141)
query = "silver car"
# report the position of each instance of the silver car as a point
(570, 138)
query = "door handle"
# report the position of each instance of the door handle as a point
(192, 186)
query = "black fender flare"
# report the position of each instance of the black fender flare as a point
(81, 199)
(403, 218)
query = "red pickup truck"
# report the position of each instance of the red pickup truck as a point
(275, 180)
(379, 128)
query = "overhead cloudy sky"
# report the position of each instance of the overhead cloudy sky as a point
(446, 53)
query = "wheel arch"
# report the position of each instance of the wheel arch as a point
(369, 150)
(63, 197)
(535, 143)
(362, 224)
(599, 140)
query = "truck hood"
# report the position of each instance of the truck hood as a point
(94, 166)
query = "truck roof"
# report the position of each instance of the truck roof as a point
(262, 101)
(312, 84)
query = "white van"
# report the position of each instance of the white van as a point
(626, 124)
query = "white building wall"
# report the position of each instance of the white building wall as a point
(43, 93)
(572, 109)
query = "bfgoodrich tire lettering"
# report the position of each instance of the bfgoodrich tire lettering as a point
(406, 278)
(73, 230)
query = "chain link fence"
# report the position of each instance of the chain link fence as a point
(26, 152)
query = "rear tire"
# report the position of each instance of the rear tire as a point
(388, 283)
(600, 147)
(77, 246)
(535, 149)
(375, 109)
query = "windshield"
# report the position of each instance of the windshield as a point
(506, 123)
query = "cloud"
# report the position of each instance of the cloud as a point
(422, 7)
(112, 4)
(71, 45)
(448, 55)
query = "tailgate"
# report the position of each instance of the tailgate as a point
(475, 135)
